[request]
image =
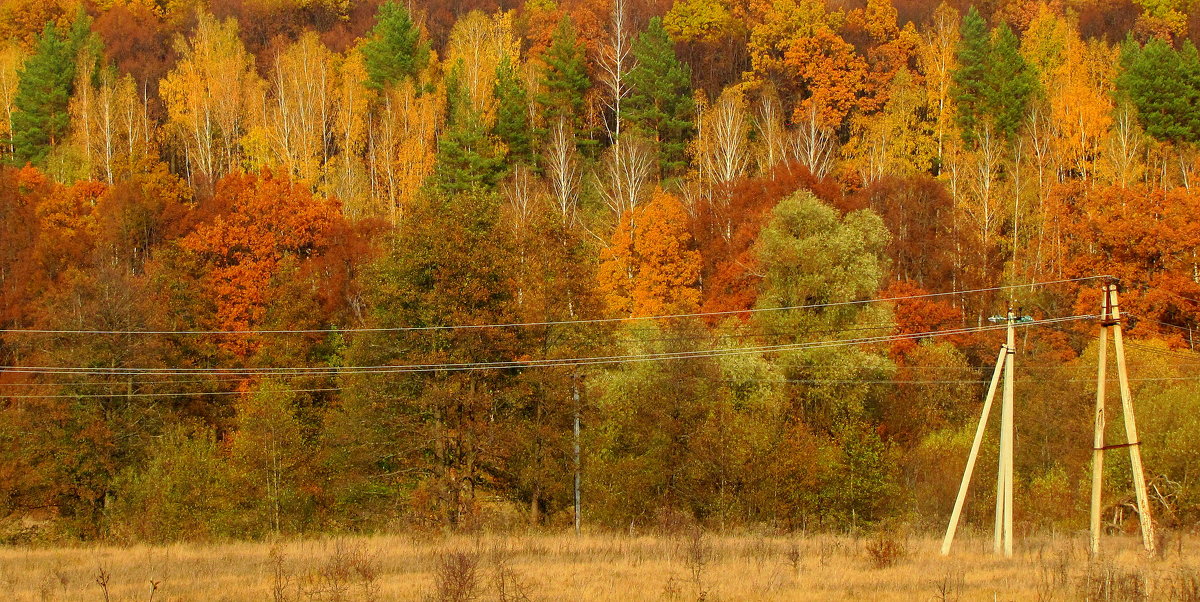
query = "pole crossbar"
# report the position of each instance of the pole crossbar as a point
(1117, 446)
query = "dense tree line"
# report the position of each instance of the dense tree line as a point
(253, 256)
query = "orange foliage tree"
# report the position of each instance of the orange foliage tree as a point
(68, 225)
(1145, 237)
(538, 21)
(833, 75)
(889, 47)
(256, 221)
(915, 314)
(652, 266)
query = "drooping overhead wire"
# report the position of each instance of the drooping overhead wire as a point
(210, 375)
(31, 331)
(218, 374)
(661, 357)
(532, 363)
(964, 381)
(145, 394)
(1166, 353)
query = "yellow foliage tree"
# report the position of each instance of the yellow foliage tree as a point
(481, 42)
(775, 26)
(300, 113)
(896, 141)
(211, 96)
(11, 59)
(698, 20)
(345, 173)
(110, 124)
(1081, 102)
(402, 146)
(936, 60)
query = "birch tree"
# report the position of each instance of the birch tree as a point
(402, 146)
(723, 152)
(614, 63)
(115, 130)
(562, 168)
(346, 172)
(210, 96)
(1123, 147)
(625, 170)
(813, 144)
(1081, 102)
(300, 114)
(936, 59)
(11, 59)
(723, 144)
(482, 42)
(772, 133)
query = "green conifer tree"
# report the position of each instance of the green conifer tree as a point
(970, 79)
(1011, 84)
(44, 87)
(466, 158)
(564, 82)
(1164, 85)
(512, 113)
(395, 50)
(660, 103)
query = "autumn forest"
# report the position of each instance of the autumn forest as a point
(326, 266)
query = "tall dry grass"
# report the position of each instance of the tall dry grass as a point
(692, 565)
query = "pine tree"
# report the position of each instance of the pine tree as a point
(466, 159)
(1164, 85)
(1011, 83)
(660, 102)
(564, 81)
(512, 113)
(970, 79)
(395, 50)
(44, 89)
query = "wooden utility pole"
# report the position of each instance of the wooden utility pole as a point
(578, 497)
(1003, 542)
(1004, 480)
(1110, 318)
(1098, 440)
(970, 469)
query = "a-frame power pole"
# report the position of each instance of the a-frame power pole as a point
(1004, 473)
(1110, 320)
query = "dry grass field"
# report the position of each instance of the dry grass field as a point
(689, 566)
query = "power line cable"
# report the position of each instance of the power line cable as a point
(174, 394)
(678, 355)
(544, 362)
(548, 323)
